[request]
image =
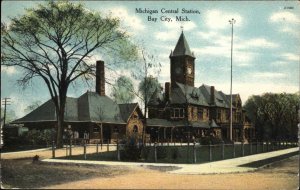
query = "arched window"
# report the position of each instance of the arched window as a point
(135, 129)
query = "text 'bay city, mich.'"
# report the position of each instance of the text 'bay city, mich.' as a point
(153, 15)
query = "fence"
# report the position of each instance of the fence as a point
(172, 153)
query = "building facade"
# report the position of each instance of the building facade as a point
(185, 112)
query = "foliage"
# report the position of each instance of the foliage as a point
(131, 152)
(148, 86)
(162, 152)
(123, 91)
(210, 140)
(55, 42)
(32, 137)
(274, 115)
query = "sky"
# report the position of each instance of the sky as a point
(266, 51)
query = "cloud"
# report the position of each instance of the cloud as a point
(284, 16)
(166, 36)
(216, 19)
(268, 75)
(8, 70)
(260, 42)
(134, 23)
(279, 63)
(290, 56)
(289, 30)
(173, 29)
(187, 26)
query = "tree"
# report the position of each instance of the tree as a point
(54, 43)
(147, 87)
(274, 115)
(123, 90)
(147, 67)
(33, 106)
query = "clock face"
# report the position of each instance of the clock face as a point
(178, 70)
(189, 70)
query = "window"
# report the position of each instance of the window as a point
(116, 129)
(135, 129)
(218, 114)
(96, 129)
(200, 113)
(177, 113)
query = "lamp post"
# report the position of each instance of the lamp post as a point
(232, 21)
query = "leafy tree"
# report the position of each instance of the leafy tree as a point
(54, 43)
(148, 86)
(274, 115)
(123, 91)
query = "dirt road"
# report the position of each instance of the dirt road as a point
(280, 175)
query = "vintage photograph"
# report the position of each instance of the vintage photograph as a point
(150, 94)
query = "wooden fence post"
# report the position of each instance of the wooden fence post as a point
(84, 150)
(223, 151)
(250, 144)
(233, 150)
(66, 149)
(107, 146)
(210, 152)
(256, 147)
(195, 156)
(97, 148)
(53, 149)
(243, 149)
(118, 151)
(155, 152)
(70, 146)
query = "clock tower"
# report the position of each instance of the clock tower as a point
(182, 62)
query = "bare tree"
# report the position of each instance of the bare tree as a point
(147, 72)
(54, 41)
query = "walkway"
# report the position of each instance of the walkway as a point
(224, 166)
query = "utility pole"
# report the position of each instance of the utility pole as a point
(232, 21)
(6, 102)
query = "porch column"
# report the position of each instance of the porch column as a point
(172, 134)
(101, 133)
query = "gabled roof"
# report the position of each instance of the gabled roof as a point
(126, 110)
(182, 47)
(220, 100)
(183, 94)
(187, 94)
(157, 98)
(93, 107)
(90, 107)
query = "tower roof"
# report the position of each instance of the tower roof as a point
(182, 47)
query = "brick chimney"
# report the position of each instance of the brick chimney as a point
(212, 95)
(167, 90)
(100, 78)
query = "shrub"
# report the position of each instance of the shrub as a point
(161, 152)
(210, 140)
(131, 153)
(175, 153)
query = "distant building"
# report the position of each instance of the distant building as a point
(93, 115)
(184, 111)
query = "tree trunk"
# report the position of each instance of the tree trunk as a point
(60, 119)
